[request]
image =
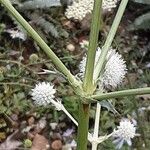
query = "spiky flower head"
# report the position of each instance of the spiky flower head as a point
(43, 93)
(124, 133)
(114, 71)
(79, 9)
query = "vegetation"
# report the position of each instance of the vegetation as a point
(22, 63)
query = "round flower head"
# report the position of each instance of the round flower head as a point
(114, 71)
(43, 93)
(124, 133)
(79, 9)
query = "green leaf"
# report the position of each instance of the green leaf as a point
(142, 22)
(109, 106)
(142, 1)
(34, 4)
(48, 27)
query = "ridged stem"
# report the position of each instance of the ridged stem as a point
(88, 83)
(83, 120)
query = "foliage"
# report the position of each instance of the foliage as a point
(34, 4)
(142, 1)
(23, 73)
(142, 22)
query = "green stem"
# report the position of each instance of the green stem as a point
(109, 39)
(130, 92)
(95, 27)
(83, 126)
(57, 62)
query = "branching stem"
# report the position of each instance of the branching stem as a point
(117, 94)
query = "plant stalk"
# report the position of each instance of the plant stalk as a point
(57, 62)
(117, 94)
(83, 126)
(96, 126)
(109, 39)
(94, 32)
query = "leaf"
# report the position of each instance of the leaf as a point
(142, 22)
(142, 1)
(47, 27)
(109, 106)
(34, 4)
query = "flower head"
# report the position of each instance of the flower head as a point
(78, 10)
(109, 4)
(124, 133)
(114, 71)
(43, 93)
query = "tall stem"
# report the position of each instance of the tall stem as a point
(83, 126)
(57, 62)
(95, 27)
(110, 38)
(96, 126)
(130, 92)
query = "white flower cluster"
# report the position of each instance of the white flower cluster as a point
(114, 71)
(109, 4)
(124, 133)
(79, 9)
(43, 94)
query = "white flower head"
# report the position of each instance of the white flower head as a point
(79, 9)
(114, 71)
(109, 4)
(43, 93)
(124, 133)
(17, 34)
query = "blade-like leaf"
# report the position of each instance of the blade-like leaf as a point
(142, 22)
(142, 1)
(109, 106)
(34, 4)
